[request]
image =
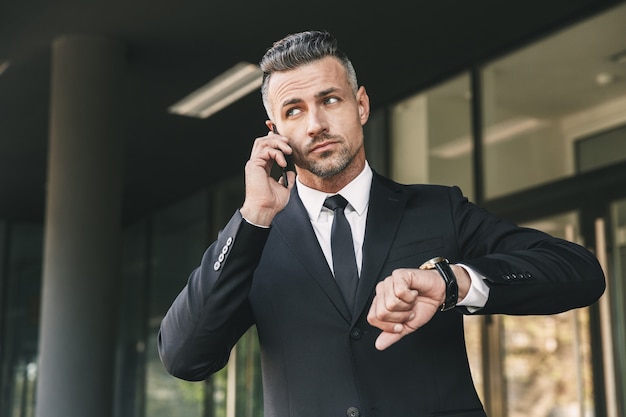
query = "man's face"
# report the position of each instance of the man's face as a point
(315, 107)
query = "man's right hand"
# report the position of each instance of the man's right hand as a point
(265, 196)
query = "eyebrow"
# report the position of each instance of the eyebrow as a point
(321, 94)
(326, 92)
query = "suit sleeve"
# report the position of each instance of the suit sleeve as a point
(212, 312)
(528, 271)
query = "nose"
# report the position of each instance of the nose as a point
(316, 123)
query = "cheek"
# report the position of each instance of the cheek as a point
(294, 130)
(297, 146)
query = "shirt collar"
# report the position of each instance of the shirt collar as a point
(357, 192)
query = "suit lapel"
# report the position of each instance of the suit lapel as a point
(384, 214)
(383, 218)
(294, 225)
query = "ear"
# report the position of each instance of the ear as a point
(363, 101)
(269, 124)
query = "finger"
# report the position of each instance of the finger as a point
(393, 325)
(281, 157)
(378, 316)
(403, 288)
(389, 337)
(385, 303)
(261, 161)
(291, 178)
(397, 296)
(274, 153)
(385, 339)
(285, 150)
(386, 292)
(387, 308)
(266, 156)
(272, 141)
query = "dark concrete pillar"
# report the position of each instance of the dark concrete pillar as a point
(83, 228)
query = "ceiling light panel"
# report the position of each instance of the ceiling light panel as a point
(220, 92)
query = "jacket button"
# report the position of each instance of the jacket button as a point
(356, 333)
(353, 412)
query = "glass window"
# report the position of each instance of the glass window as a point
(431, 137)
(547, 359)
(474, 326)
(617, 289)
(20, 319)
(601, 149)
(249, 401)
(131, 343)
(179, 236)
(3, 237)
(540, 101)
(431, 142)
(375, 139)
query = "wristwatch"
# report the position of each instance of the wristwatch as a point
(452, 288)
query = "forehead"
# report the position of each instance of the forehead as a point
(310, 78)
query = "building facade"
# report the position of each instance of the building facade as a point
(536, 134)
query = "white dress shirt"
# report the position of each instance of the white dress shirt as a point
(357, 193)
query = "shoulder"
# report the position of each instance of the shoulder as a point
(450, 193)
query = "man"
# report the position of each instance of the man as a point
(385, 340)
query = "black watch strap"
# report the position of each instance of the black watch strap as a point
(452, 288)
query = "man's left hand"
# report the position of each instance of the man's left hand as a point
(407, 300)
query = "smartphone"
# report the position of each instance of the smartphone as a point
(289, 158)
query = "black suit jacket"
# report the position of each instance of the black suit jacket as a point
(319, 360)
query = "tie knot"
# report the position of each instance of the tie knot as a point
(335, 202)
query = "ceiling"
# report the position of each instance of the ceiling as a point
(397, 47)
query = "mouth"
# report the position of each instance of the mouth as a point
(324, 146)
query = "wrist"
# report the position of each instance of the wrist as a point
(258, 217)
(463, 280)
(451, 286)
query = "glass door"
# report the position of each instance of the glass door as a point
(571, 364)
(610, 231)
(546, 360)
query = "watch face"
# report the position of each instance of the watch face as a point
(430, 264)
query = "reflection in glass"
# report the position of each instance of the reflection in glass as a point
(547, 359)
(431, 143)
(601, 149)
(616, 276)
(540, 101)
(179, 236)
(249, 401)
(473, 341)
(430, 137)
(20, 316)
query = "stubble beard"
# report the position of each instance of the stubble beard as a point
(329, 163)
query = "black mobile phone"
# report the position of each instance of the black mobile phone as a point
(288, 158)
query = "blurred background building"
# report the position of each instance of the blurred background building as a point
(108, 197)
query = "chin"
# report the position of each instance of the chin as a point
(329, 168)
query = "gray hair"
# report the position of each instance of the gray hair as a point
(299, 49)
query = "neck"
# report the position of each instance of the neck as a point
(332, 185)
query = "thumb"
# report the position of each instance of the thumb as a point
(386, 339)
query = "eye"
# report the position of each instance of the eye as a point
(293, 112)
(331, 100)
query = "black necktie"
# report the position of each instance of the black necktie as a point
(344, 261)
